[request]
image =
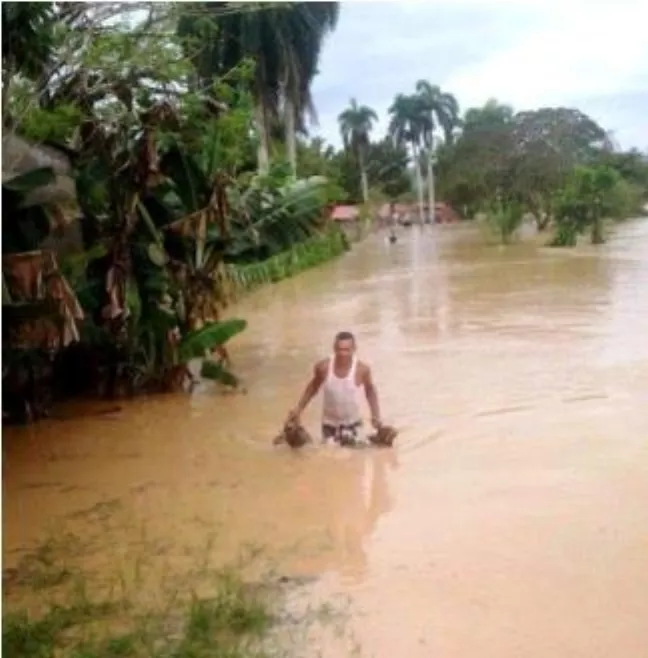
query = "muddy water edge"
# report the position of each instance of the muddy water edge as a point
(510, 520)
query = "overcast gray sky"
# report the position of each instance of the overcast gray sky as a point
(592, 55)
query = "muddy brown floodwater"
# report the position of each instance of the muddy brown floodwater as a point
(512, 517)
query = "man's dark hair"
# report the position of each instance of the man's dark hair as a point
(344, 335)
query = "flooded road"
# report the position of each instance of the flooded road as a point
(512, 517)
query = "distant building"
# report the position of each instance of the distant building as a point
(409, 212)
(445, 214)
(345, 213)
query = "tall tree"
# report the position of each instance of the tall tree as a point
(439, 109)
(547, 144)
(230, 35)
(283, 41)
(475, 167)
(306, 27)
(356, 124)
(492, 114)
(406, 128)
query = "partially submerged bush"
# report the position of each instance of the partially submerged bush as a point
(502, 220)
(590, 195)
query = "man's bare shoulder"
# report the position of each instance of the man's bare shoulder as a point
(363, 369)
(321, 367)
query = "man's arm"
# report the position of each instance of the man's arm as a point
(310, 391)
(372, 397)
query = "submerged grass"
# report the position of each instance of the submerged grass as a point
(204, 613)
(38, 638)
(225, 625)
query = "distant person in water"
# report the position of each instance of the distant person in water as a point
(341, 377)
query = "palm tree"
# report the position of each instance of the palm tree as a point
(217, 39)
(307, 25)
(283, 40)
(406, 128)
(442, 109)
(356, 124)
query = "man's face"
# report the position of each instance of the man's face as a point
(344, 349)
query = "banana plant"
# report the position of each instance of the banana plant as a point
(188, 214)
(41, 312)
(207, 340)
(38, 302)
(274, 214)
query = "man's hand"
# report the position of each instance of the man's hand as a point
(293, 416)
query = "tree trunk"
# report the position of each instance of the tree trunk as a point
(291, 139)
(263, 154)
(431, 198)
(597, 230)
(363, 177)
(419, 180)
(542, 221)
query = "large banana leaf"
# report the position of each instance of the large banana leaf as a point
(280, 217)
(197, 343)
(216, 371)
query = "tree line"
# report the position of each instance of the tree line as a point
(491, 160)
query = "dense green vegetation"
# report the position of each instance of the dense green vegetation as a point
(153, 163)
(158, 162)
(527, 161)
(493, 161)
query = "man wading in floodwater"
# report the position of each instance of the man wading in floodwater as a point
(341, 376)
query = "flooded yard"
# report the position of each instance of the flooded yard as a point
(511, 518)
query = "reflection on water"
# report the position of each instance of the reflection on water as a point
(509, 521)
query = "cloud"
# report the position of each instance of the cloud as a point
(592, 55)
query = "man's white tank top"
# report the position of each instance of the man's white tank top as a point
(341, 399)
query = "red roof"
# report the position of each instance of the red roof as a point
(345, 213)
